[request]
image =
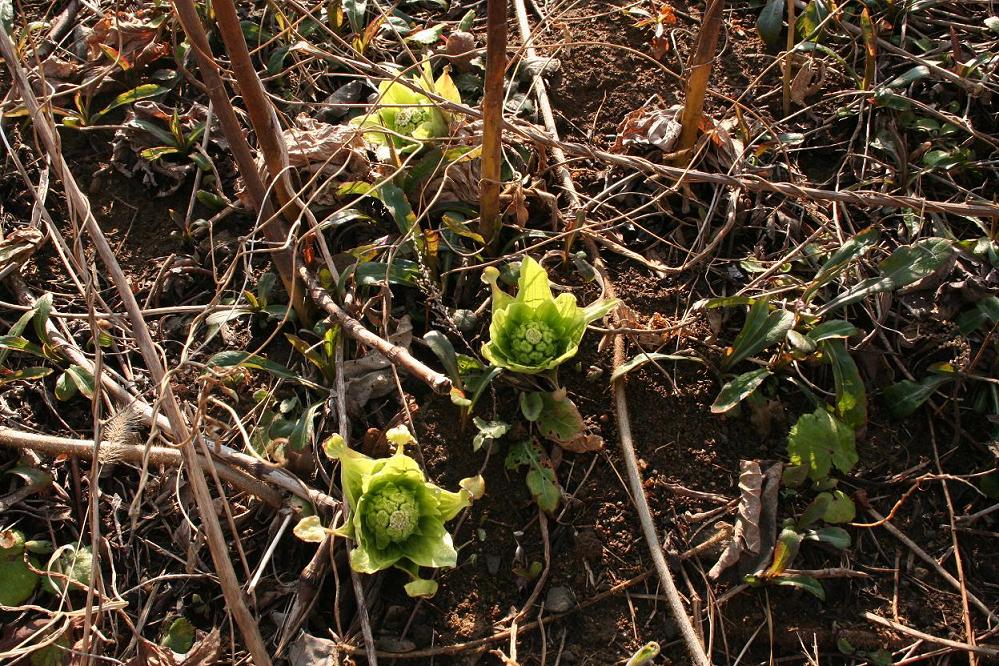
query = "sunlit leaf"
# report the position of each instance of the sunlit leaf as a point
(762, 329)
(736, 390)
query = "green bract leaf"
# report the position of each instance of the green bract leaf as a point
(310, 529)
(536, 332)
(488, 431)
(406, 118)
(531, 405)
(541, 480)
(396, 516)
(820, 441)
(179, 637)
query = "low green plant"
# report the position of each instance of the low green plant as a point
(396, 516)
(404, 118)
(535, 332)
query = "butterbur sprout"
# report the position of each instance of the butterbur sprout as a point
(410, 116)
(536, 332)
(396, 516)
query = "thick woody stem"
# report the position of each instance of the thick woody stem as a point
(275, 230)
(492, 122)
(697, 79)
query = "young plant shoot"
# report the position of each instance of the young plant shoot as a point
(408, 116)
(396, 516)
(535, 332)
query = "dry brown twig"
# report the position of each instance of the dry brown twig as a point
(272, 474)
(110, 452)
(398, 356)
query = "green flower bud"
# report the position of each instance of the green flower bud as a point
(535, 331)
(392, 514)
(534, 343)
(396, 516)
(410, 116)
(409, 119)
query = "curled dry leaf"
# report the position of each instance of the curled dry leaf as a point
(133, 41)
(585, 443)
(18, 246)
(747, 527)
(370, 376)
(653, 125)
(334, 153)
(808, 80)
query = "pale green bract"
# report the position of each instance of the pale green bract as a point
(396, 516)
(535, 332)
(410, 117)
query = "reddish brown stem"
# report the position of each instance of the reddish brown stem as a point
(492, 122)
(697, 78)
(262, 117)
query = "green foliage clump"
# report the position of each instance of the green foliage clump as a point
(17, 581)
(534, 331)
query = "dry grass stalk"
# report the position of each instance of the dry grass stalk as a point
(79, 207)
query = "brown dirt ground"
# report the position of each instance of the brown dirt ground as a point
(596, 541)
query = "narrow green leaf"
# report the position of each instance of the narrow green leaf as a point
(738, 389)
(802, 582)
(301, 434)
(851, 394)
(34, 372)
(830, 330)
(761, 330)
(852, 249)
(145, 91)
(636, 362)
(43, 309)
(906, 265)
(771, 22)
(444, 351)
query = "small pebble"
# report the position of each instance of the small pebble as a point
(559, 600)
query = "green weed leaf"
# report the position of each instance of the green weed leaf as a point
(820, 441)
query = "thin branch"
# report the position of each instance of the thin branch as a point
(114, 452)
(398, 356)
